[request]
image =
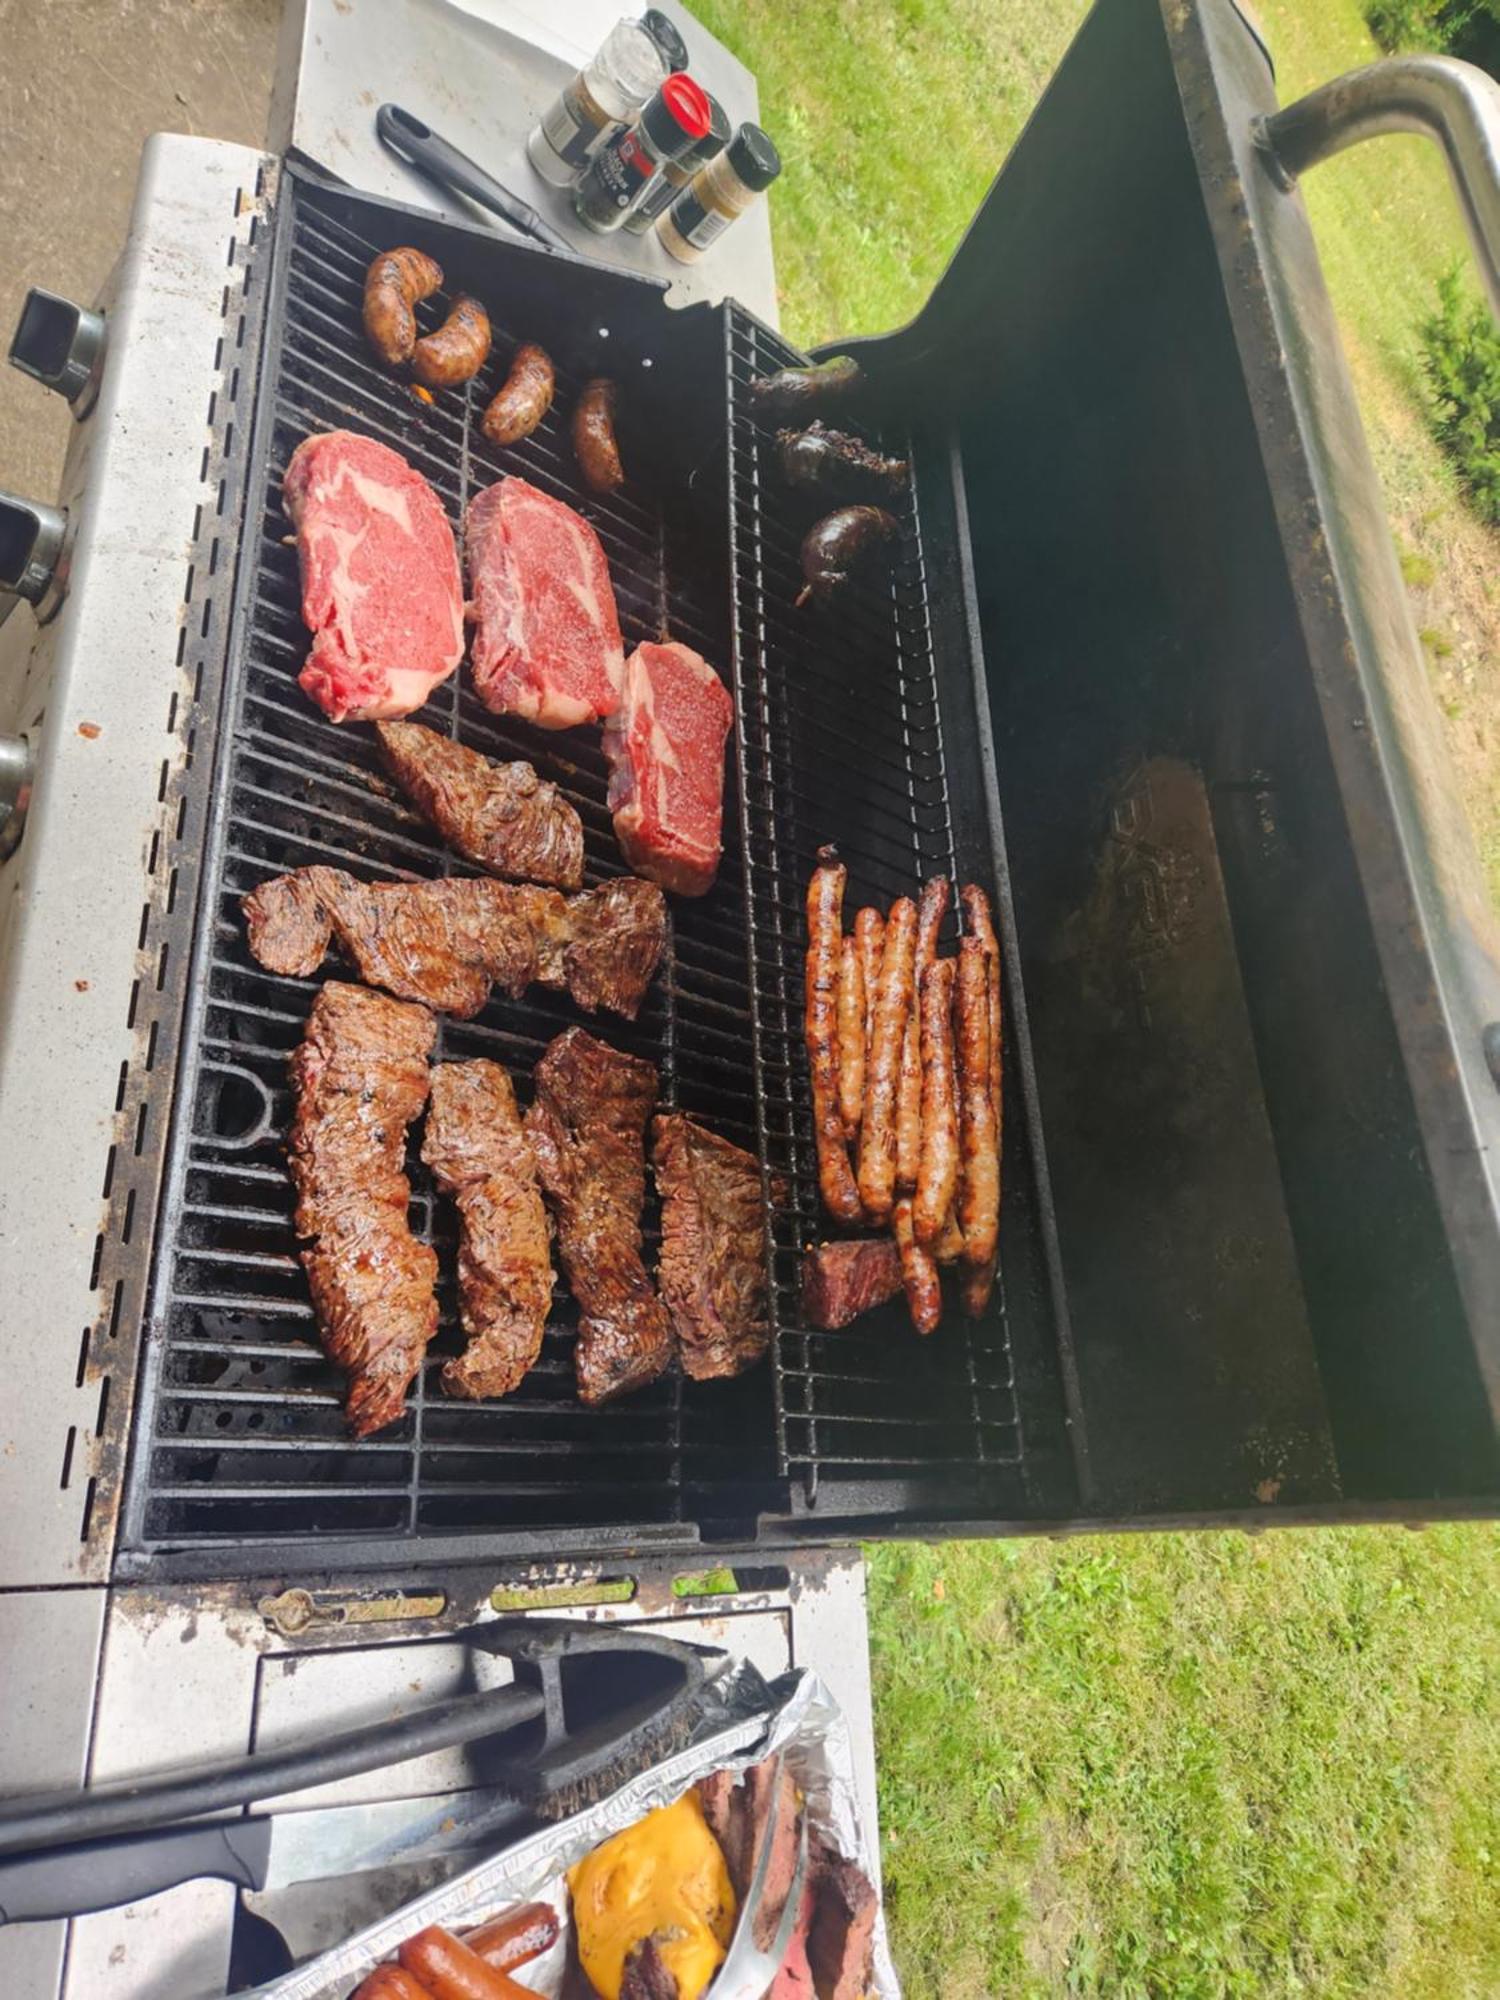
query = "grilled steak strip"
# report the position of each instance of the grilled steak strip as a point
(445, 943)
(842, 1280)
(479, 1155)
(502, 817)
(841, 1940)
(359, 1078)
(587, 1129)
(712, 1273)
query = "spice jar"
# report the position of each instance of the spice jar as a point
(607, 93)
(675, 175)
(621, 169)
(722, 190)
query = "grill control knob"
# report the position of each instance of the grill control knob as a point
(60, 345)
(33, 540)
(15, 791)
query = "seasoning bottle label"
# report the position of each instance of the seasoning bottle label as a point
(574, 122)
(621, 168)
(696, 224)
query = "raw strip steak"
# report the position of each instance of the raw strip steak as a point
(479, 1155)
(381, 589)
(446, 943)
(502, 817)
(587, 1129)
(359, 1079)
(547, 642)
(666, 752)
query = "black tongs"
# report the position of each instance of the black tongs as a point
(420, 147)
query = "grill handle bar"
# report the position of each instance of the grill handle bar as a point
(1451, 102)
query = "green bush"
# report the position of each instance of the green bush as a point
(1461, 361)
(1468, 28)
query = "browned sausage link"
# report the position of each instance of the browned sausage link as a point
(924, 1291)
(524, 399)
(869, 935)
(451, 1971)
(825, 924)
(391, 1982)
(851, 1037)
(893, 1005)
(950, 1245)
(516, 1938)
(930, 914)
(981, 923)
(394, 283)
(594, 437)
(979, 1196)
(458, 349)
(937, 1172)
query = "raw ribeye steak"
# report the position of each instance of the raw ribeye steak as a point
(381, 590)
(666, 753)
(547, 642)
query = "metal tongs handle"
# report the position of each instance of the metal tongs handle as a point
(420, 147)
(747, 1971)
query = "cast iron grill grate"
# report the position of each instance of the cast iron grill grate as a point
(239, 1440)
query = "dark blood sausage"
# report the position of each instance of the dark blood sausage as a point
(919, 1271)
(792, 391)
(979, 1193)
(833, 462)
(458, 349)
(979, 1282)
(594, 437)
(937, 1171)
(524, 398)
(394, 284)
(825, 907)
(517, 1937)
(449, 1970)
(843, 542)
(851, 1036)
(893, 1001)
(930, 913)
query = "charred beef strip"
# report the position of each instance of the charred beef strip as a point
(587, 1128)
(842, 1280)
(359, 1078)
(502, 817)
(445, 943)
(712, 1273)
(840, 1941)
(479, 1155)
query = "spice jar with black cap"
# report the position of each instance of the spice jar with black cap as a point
(719, 193)
(678, 174)
(623, 168)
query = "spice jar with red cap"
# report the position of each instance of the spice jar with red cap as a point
(626, 164)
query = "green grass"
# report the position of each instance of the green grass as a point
(1169, 1766)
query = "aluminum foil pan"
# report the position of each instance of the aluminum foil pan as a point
(795, 1713)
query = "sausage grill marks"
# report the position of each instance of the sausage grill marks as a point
(825, 904)
(878, 1133)
(524, 397)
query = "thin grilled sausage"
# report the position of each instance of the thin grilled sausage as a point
(517, 1937)
(594, 437)
(394, 283)
(937, 1171)
(930, 913)
(979, 1283)
(950, 1245)
(919, 1273)
(524, 398)
(979, 1194)
(851, 1037)
(458, 349)
(391, 1982)
(869, 935)
(893, 1004)
(825, 924)
(451, 1971)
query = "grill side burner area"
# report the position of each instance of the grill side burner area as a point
(240, 1447)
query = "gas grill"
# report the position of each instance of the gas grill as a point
(1144, 604)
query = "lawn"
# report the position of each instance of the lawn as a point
(1173, 1766)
